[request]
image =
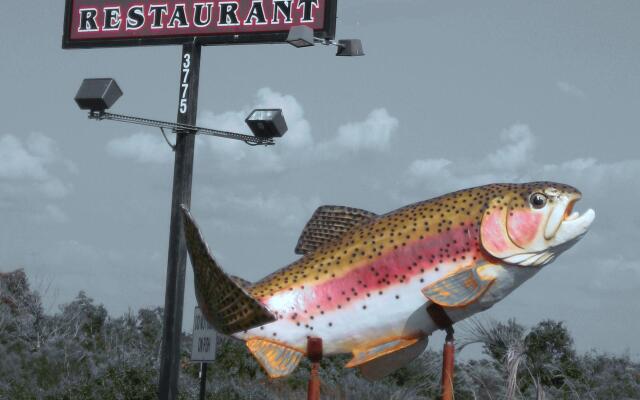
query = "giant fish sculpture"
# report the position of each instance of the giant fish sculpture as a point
(364, 280)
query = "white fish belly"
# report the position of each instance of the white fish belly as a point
(399, 312)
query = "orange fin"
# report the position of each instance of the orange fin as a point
(277, 360)
(383, 366)
(458, 290)
(364, 356)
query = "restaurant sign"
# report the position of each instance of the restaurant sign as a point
(108, 23)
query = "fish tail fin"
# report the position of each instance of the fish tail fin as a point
(223, 299)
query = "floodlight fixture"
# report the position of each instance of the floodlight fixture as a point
(98, 94)
(350, 48)
(302, 36)
(267, 123)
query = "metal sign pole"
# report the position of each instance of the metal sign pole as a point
(203, 380)
(203, 347)
(177, 257)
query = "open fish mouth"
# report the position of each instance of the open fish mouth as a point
(569, 213)
(573, 226)
(573, 216)
(563, 229)
(563, 217)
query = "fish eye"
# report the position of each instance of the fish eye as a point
(538, 200)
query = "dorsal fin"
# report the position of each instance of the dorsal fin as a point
(328, 224)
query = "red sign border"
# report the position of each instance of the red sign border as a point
(328, 32)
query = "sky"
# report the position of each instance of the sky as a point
(449, 95)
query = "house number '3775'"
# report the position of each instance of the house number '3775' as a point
(184, 86)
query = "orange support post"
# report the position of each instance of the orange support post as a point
(448, 363)
(314, 353)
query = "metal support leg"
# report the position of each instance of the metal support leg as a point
(448, 363)
(441, 319)
(314, 353)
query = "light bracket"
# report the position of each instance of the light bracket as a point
(180, 128)
(302, 36)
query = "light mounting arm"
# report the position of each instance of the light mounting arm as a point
(180, 128)
(303, 36)
(97, 95)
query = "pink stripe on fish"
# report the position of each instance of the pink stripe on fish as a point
(395, 267)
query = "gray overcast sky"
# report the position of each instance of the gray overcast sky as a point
(450, 95)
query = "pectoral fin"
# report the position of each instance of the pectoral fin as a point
(458, 290)
(379, 361)
(277, 360)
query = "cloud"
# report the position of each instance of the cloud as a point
(141, 147)
(511, 161)
(374, 133)
(614, 276)
(515, 160)
(48, 213)
(569, 89)
(32, 180)
(282, 209)
(26, 167)
(55, 213)
(54, 188)
(517, 150)
(296, 147)
(28, 160)
(435, 167)
(615, 179)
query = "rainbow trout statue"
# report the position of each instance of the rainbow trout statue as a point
(364, 280)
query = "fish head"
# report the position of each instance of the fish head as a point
(531, 224)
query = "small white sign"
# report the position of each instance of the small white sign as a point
(203, 348)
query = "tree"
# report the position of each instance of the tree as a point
(81, 352)
(550, 355)
(504, 343)
(545, 354)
